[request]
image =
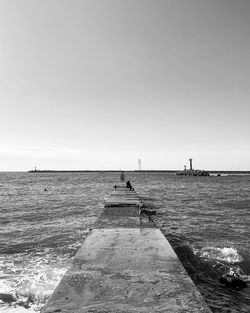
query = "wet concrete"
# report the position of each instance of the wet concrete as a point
(123, 197)
(126, 265)
(125, 216)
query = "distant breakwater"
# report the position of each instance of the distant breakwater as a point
(134, 171)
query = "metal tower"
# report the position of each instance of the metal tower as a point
(139, 164)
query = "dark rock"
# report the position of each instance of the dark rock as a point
(7, 297)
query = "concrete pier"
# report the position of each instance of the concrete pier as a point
(123, 196)
(125, 265)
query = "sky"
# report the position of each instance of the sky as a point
(98, 84)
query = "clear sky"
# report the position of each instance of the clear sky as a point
(97, 84)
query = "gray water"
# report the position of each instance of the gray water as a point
(206, 220)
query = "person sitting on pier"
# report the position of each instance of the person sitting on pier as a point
(122, 177)
(128, 185)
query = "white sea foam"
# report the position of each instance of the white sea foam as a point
(228, 255)
(32, 280)
(14, 309)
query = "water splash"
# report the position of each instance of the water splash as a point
(225, 254)
(31, 279)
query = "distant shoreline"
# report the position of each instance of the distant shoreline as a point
(132, 171)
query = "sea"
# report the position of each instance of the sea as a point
(45, 217)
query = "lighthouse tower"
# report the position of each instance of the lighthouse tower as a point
(191, 166)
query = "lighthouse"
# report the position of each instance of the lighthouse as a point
(191, 167)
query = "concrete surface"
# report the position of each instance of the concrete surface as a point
(126, 265)
(123, 197)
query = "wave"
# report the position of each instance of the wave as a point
(227, 255)
(30, 280)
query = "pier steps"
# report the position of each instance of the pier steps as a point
(126, 265)
(123, 196)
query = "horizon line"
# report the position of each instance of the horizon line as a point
(120, 170)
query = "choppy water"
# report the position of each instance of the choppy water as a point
(206, 219)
